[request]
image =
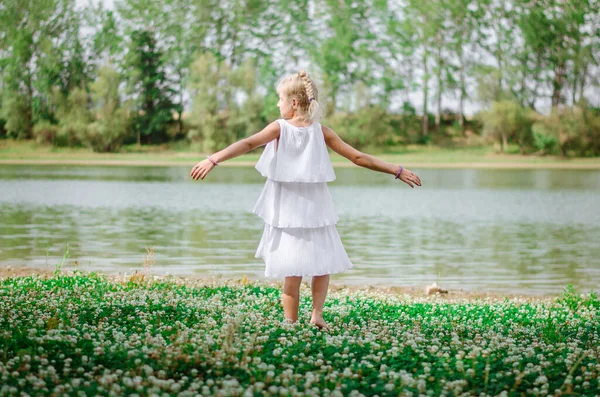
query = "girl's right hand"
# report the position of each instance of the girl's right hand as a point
(202, 168)
(408, 177)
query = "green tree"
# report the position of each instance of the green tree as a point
(246, 118)
(107, 43)
(397, 54)
(111, 123)
(423, 32)
(36, 40)
(211, 93)
(149, 84)
(464, 17)
(343, 54)
(498, 39)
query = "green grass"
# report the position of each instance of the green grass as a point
(84, 333)
(179, 153)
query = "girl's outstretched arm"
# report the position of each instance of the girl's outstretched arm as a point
(236, 149)
(366, 160)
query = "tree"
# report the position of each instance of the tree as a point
(149, 84)
(422, 26)
(34, 50)
(344, 53)
(464, 17)
(210, 88)
(111, 122)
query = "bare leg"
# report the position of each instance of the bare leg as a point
(319, 287)
(291, 297)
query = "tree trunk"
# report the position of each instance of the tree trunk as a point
(574, 93)
(425, 95)
(576, 71)
(538, 62)
(559, 71)
(504, 142)
(438, 113)
(584, 73)
(523, 79)
(180, 112)
(499, 58)
(461, 115)
(29, 105)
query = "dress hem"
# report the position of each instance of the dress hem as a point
(306, 274)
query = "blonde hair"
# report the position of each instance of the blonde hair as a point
(301, 87)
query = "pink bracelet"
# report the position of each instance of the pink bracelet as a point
(213, 161)
(398, 173)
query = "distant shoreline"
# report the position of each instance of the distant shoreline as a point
(410, 156)
(408, 164)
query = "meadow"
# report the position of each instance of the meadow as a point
(143, 335)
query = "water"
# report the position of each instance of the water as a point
(528, 231)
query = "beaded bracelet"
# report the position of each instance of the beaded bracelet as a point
(398, 173)
(213, 161)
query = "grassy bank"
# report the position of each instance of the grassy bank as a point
(73, 333)
(24, 152)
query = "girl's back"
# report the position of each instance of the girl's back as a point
(298, 155)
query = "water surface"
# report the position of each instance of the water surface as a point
(529, 231)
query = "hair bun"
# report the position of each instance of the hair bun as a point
(302, 73)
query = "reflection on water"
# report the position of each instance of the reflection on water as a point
(501, 230)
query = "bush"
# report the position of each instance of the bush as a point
(45, 132)
(507, 120)
(370, 126)
(544, 142)
(407, 126)
(107, 134)
(14, 112)
(572, 130)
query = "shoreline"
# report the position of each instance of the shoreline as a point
(180, 163)
(334, 285)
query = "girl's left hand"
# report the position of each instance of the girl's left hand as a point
(201, 169)
(410, 178)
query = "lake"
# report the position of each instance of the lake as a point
(516, 231)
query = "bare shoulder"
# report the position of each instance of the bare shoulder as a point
(272, 130)
(328, 133)
(326, 130)
(273, 126)
(339, 146)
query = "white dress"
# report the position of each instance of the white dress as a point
(299, 237)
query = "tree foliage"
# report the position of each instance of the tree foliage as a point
(389, 72)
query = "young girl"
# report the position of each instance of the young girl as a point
(300, 236)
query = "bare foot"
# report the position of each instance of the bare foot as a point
(319, 322)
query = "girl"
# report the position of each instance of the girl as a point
(300, 236)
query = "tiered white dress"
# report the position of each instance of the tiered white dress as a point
(300, 236)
